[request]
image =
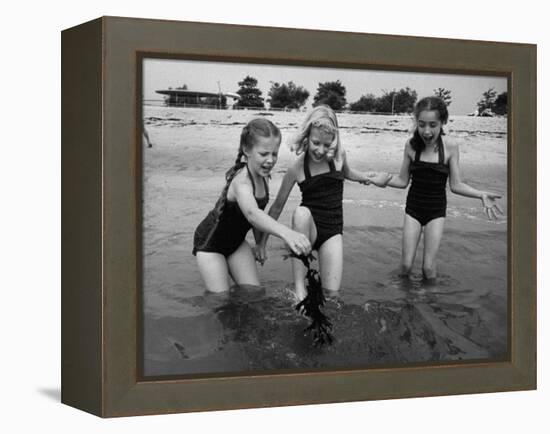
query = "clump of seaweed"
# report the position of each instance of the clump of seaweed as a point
(310, 306)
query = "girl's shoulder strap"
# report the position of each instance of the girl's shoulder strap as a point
(251, 180)
(416, 155)
(307, 172)
(266, 186)
(413, 143)
(441, 149)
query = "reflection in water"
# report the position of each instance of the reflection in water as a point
(257, 328)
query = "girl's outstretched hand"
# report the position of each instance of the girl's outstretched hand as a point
(490, 205)
(260, 253)
(297, 242)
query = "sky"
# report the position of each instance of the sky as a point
(466, 90)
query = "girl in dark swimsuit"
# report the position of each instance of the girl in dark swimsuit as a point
(319, 171)
(428, 161)
(219, 241)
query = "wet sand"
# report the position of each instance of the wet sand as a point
(378, 318)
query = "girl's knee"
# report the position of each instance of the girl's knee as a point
(301, 213)
(301, 216)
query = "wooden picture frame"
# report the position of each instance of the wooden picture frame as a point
(101, 223)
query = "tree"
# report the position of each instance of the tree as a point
(386, 103)
(500, 106)
(487, 101)
(367, 103)
(250, 95)
(401, 101)
(288, 96)
(405, 100)
(444, 94)
(331, 93)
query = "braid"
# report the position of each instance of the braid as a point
(229, 175)
(239, 164)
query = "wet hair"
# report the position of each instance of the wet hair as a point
(430, 103)
(255, 128)
(323, 118)
(258, 127)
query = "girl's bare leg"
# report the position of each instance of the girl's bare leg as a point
(411, 236)
(214, 271)
(242, 266)
(302, 221)
(331, 260)
(432, 238)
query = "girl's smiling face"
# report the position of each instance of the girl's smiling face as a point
(429, 126)
(320, 144)
(262, 157)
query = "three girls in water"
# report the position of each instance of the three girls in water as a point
(319, 171)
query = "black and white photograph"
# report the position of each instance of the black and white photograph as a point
(301, 218)
(122, 155)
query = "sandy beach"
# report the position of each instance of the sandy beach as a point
(378, 318)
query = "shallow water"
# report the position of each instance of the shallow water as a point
(256, 329)
(378, 317)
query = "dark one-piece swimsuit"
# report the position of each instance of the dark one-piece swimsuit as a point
(322, 195)
(225, 227)
(427, 197)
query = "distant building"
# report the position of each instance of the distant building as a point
(193, 98)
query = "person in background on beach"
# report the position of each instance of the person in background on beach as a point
(147, 139)
(319, 171)
(219, 241)
(428, 161)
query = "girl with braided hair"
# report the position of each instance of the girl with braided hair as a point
(219, 241)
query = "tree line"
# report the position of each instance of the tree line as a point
(333, 93)
(290, 96)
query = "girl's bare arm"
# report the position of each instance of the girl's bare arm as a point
(278, 205)
(401, 180)
(455, 180)
(244, 194)
(488, 199)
